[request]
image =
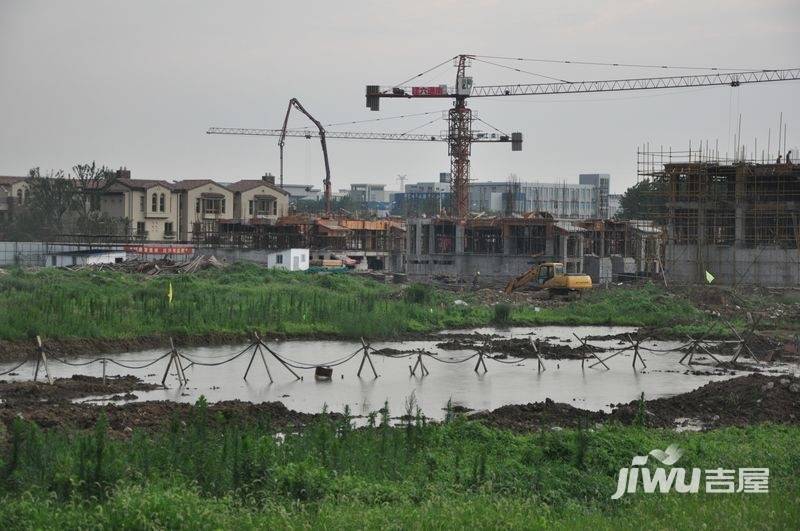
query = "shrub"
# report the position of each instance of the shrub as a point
(502, 313)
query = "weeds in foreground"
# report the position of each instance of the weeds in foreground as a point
(223, 473)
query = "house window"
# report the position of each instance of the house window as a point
(250, 207)
(262, 207)
(154, 205)
(279, 259)
(197, 206)
(19, 197)
(161, 202)
(213, 205)
(168, 229)
(141, 203)
(140, 230)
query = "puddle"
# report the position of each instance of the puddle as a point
(504, 383)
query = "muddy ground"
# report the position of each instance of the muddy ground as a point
(52, 406)
(741, 401)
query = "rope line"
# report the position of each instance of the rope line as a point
(217, 363)
(23, 362)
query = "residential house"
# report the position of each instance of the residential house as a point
(151, 207)
(202, 203)
(256, 200)
(13, 193)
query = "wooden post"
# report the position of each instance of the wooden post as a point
(539, 362)
(423, 370)
(263, 345)
(591, 354)
(176, 359)
(742, 343)
(636, 353)
(480, 362)
(254, 346)
(42, 358)
(264, 361)
(366, 357)
(689, 353)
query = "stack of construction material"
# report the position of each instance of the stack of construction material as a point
(157, 267)
(599, 269)
(325, 263)
(623, 267)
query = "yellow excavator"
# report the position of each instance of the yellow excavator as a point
(550, 276)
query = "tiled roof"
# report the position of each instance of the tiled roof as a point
(248, 184)
(144, 183)
(8, 179)
(191, 184)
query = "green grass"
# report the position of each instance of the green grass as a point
(239, 299)
(244, 298)
(210, 473)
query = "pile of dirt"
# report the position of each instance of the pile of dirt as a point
(533, 416)
(66, 389)
(741, 401)
(519, 347)
(158, 415)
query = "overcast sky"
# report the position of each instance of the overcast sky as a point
(136, 84)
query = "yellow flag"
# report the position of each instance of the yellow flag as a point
(709, 277)
(169, 294)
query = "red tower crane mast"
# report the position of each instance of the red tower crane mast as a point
(460, 135)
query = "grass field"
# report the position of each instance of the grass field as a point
(244, 297)
(206, 473)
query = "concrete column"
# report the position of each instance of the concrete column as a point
(506, 240)
(580, 254)
(418, 242)
(432, 239)
(563, 250)
(739, 237)
(459, 248)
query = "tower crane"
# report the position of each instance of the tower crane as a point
(460, 134)
(460, 137)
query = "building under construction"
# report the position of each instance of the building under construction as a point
(738, 220)
(371, 244)
(504, 246)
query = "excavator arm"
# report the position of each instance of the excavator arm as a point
(282, 140)
(522, 280)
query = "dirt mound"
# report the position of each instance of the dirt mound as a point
(526, 417)
(518, 347)
(739, 401)
(66, 389)
(154, 415)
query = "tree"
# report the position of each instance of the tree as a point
(643, 200)
(48, 200)
(93, 182)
